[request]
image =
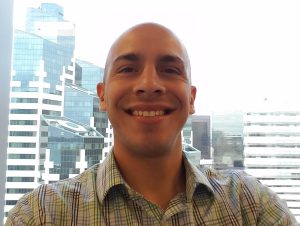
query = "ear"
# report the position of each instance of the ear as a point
(101, 92)
(192, 99)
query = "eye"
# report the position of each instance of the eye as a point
(127, 69)
(171, 70)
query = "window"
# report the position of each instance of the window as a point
(22, 122)
(21, 156)
(20, 179)
(245, 67)
(23, 111)
(24, 100)
(22, 133)
(20, 167)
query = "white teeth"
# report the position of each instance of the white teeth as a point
(148, 113)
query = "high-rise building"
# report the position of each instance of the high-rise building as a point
(196, 137)
(47, 12)
(88, 75)
(40, 68)
(187, 133)
(48, 22)
(227, 140)
(272, 150)
(201, 128)
(196, 132)
(69, 147)
(82, 105)
(6, 32)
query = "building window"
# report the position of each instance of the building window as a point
(20, 167)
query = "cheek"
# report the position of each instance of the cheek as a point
(115, 96)
(183, 94)
(113, 93)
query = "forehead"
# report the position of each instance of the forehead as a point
(148, 42)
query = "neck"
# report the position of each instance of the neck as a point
(158, 179)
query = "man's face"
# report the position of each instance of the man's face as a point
(147, 93)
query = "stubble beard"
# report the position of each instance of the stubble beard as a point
(153, 149)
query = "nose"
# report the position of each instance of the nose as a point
(149, 83)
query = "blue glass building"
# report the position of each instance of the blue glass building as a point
(47, 12)
(37, 59)
(87, 75)
(70, 148)
(42, 59)
(82, 105)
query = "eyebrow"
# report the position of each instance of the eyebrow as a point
(129, 57)
(170, 59)
(135, 57)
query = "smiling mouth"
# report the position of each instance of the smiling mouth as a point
(151, 113)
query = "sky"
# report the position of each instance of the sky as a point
(242, 52)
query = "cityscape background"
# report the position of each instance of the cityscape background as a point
(245, 51)
(245, 118)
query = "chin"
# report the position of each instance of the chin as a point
(151, 150)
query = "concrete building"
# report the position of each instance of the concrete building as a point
(196, 138)
(56, 129)
(40, 69)
(227, 140)
(6, 27)
(201, 127)
(272, 150)
(187, 132)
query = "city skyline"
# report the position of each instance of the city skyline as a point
(241, 53)
(43, 145)
(292, 105)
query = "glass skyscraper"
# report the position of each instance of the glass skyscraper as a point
(88, 75)
(56, 129)
(82, 105)
(70, 148)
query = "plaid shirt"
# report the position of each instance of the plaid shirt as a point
(100, 196)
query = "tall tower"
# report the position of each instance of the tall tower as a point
(272, 149)
(40, 68)
(88, 75)
(227, 139)
(201, 127)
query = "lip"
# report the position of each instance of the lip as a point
(149, 110)
(149, 113)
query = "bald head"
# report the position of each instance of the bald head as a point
(147, 92)
(148, 34)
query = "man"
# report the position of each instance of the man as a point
(146, 179)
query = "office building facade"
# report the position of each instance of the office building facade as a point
(201, 127)
(69, 148)
(42, 64)
(227, 140)
(88, 75)
(272, 150)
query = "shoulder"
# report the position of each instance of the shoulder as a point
(232, 179)
(80, 184)
(85, 179)
(246, 194)
(239, 184)
(48, 200)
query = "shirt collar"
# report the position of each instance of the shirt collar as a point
(109, 176)
(195, 178)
